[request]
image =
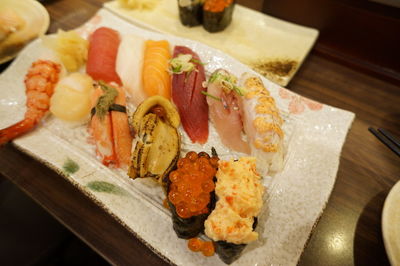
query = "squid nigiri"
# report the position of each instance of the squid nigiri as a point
(129, 66)
(156, 79)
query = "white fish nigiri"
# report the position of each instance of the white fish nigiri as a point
(129, 66)
(224, 110)
(262, 124)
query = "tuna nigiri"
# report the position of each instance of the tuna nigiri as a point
(102, 54)
(187, 88)
(156, 79)
(224, 110)
(129, 66)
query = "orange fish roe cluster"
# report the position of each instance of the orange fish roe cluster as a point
(216, 5)
(206, 247)
(192, 183)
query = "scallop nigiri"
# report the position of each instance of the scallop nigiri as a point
(224, 110)
(156, 79)
(129, 66)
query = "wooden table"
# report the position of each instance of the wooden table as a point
(348, 232)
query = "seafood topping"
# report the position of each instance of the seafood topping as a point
(192, 183)
(222, 98)
(190, 190)
(102, 55)
(232, 222)
(40, 81)
(187, 87)
(158, 143)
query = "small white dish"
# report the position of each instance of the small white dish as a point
(36, 20)
(391, 224)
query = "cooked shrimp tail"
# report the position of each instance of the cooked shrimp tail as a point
(39, 86)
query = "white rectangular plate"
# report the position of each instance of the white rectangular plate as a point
(257, 40)
(296, 196)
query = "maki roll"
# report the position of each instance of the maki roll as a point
(190, 12)
(239, 195)
(190, 191)
(217, 14)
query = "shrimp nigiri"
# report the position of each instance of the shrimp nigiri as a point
(262, 123)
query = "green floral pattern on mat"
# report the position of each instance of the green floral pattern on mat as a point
(70, 166)
(101, 186)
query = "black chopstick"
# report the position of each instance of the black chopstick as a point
(386, 138)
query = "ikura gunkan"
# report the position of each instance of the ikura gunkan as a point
(190, 193)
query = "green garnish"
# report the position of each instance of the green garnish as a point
(227, 81)
(181, 63)
(105, 100)
(70, 166)
(211, 96)
(198, 62)
(101, 186)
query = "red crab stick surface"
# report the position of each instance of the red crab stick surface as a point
(121, 132)
(102, 54)
(187, 96)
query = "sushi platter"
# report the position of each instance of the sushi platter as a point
(275, 48)
(138, 121)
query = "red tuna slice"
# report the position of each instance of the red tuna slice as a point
(192, 104)
(102, 55)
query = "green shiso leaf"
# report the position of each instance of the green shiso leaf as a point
(70, 166)
(105, 100)
(101, 186)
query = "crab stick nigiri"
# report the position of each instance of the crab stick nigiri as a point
(121, 133)
(102, 54)
(156, 79)
(101, 130)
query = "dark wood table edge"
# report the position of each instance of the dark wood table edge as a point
(78, 221)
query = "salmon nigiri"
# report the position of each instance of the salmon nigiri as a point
(101, 130)
(102, 54)
(187, 93)
(156, 79)
(121, 132)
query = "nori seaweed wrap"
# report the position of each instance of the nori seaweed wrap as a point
(190, 12)
(217, 14)
(229, 252)
(191, 194)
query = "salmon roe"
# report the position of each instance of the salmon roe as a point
(192, 183)
(206, 247)
(216, 5)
